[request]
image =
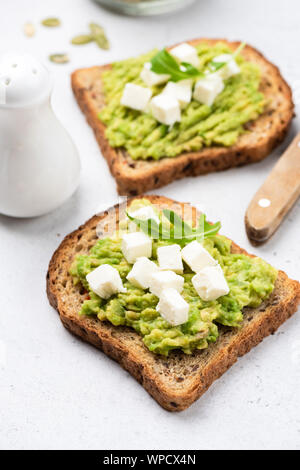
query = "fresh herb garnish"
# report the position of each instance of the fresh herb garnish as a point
(215, 66)
(178, 231)
(238, 50)
(206, 229)
(164, 63)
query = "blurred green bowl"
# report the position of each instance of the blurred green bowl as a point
(145, 7)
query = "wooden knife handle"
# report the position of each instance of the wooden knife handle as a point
(276, 196)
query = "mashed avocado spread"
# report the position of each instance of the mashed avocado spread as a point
(251, 280)
(201, 125)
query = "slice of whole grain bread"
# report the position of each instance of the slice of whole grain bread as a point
(138, 176)
(175, 382)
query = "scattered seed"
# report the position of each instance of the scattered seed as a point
(96, 29)
(51, 22)
(99, 36)
(59, 58)
(29, 30)
(82, 39)
(102, 42)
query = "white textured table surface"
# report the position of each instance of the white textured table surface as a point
(57, 392)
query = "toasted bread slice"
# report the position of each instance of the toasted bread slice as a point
(178, 380)
(135, 177)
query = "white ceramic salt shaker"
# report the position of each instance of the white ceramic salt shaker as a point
(39, 164)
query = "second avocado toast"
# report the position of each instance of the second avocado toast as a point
(137, 170)
(216, 334)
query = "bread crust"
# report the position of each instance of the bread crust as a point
(135, 177)
(177, 381)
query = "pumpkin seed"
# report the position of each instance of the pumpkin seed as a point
(59, 58)
(99, 36)
(29, 30)
(82, 39)
(51, 22)
(96, 29)
(102, 41)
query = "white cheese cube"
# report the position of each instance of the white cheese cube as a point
(144, 213)
(181, 91)
(173, 308)
(208, 88)
(135, 245)
(105, 281)
(165, 279)
(169, 258)
(141, 272)
(186, 53)
(152, 78)
(230, 69)
(165, 109)
(136, 97)
(197, 257)
(210, 283)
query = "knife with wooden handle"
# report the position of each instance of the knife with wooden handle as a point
(275, 197)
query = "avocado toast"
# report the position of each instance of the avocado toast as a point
(136, 171)
(175, 379)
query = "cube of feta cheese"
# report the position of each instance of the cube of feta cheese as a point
(172, 307)
(186, 53)
(210, 283)
(181, 91)
(230, 69)
(135, 245)
(165, 279)
(152, 78)
(169, 258)
(197, 257)
(136, 97)
(144, 213)
(165, 109)
(208, 88)
(105, 281)
(141, 272)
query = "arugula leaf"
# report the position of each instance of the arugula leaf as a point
(205, 229)
(185, 67)
(238, 50)
(164, 63)
(181, 228)
(215, 66)
(149, 226)
(179, 231)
